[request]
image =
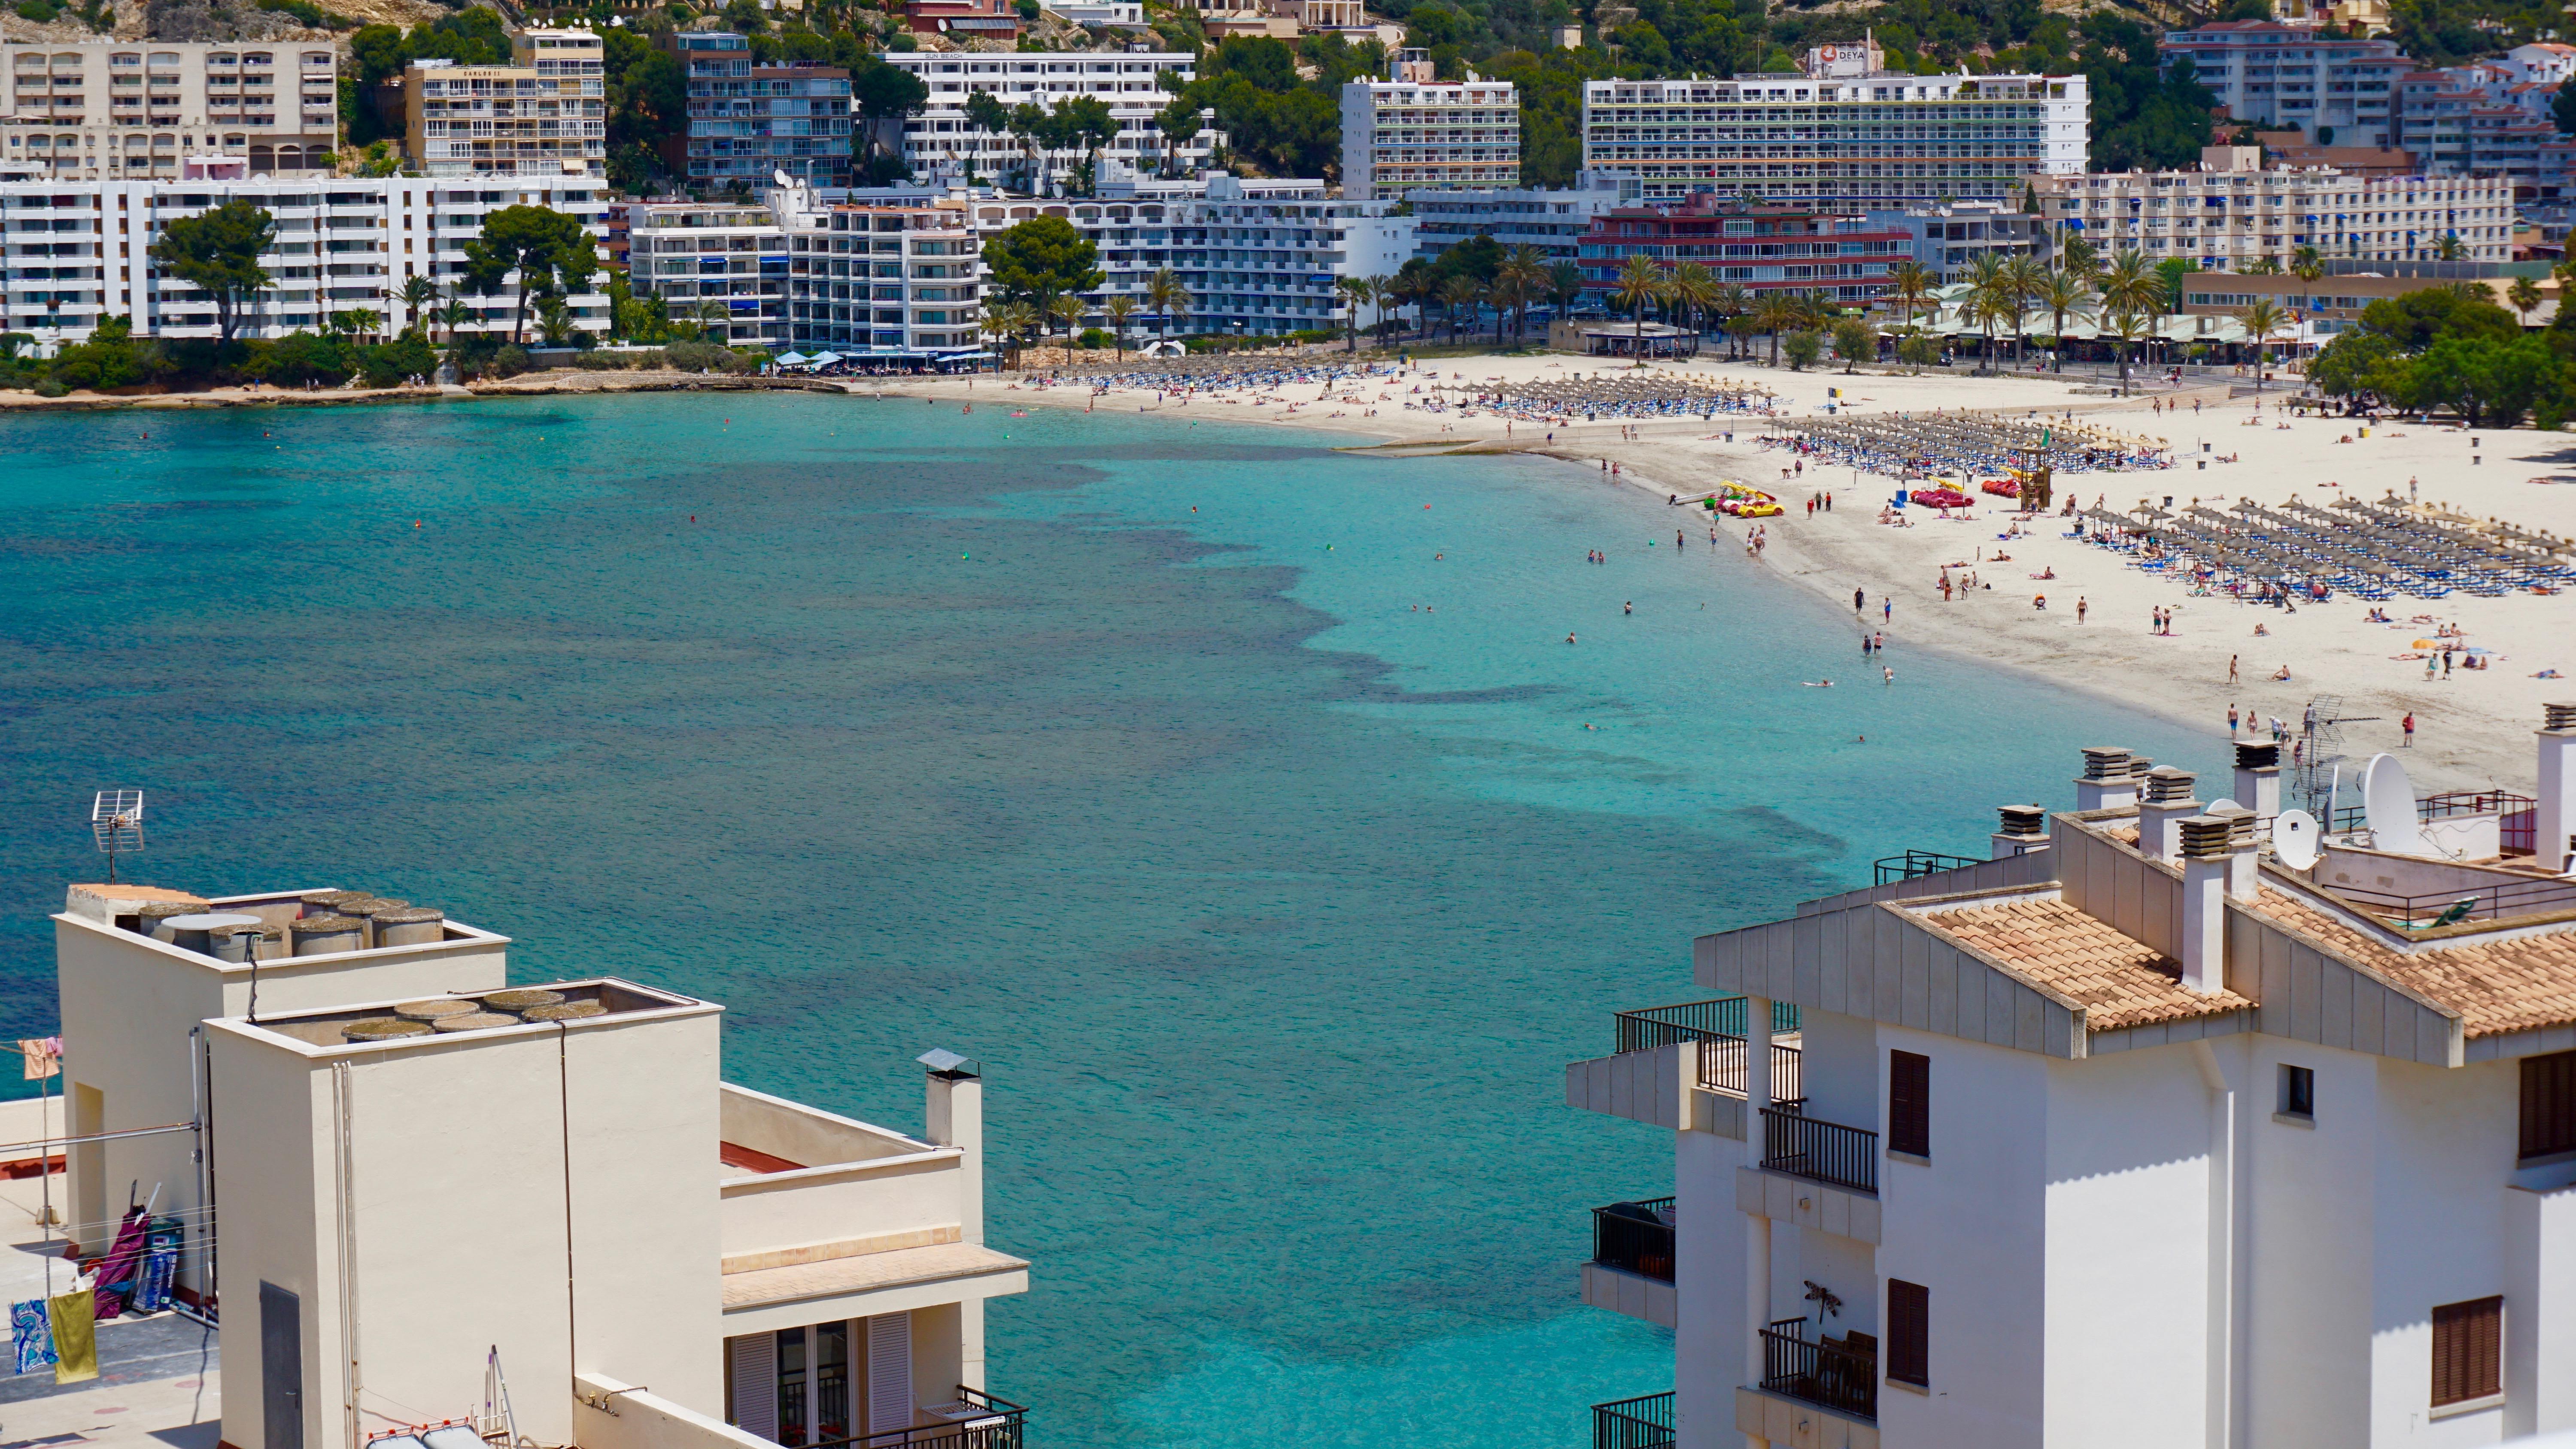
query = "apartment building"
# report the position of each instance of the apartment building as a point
(2486, 120)
(398, 1224)
(723, 266)
(2335, 303)
(2230, 214)
(1950, 239)
(1412, 132)
(749, 123)
(946, 148)
(1552, 220)
(80, 251)
(1844, 259)
(1842, 136)
(2340, 91)
(106, 110)
(545, 115)
(885, 279)
(963, 20)
(2140, 1132)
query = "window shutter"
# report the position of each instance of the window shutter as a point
(1909, 1331)
(2468, 1351)
(2549, 1104)
(755, 1385)
(890, 1402)
(1909, 1103)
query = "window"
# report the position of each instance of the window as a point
(1909, 1332)
(2298, 1091)
(2548, 1104)
(1909, 1103)
(2468, 1351)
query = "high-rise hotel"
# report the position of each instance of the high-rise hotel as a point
(1413, 132)
(1843, 134)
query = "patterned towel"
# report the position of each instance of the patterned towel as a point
(29, 1336)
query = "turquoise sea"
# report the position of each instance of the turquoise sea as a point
(1112, 751)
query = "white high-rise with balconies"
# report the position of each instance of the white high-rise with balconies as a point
(2142, 1132)
(1412, 132)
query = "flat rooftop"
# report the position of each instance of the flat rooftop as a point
(476, 1015)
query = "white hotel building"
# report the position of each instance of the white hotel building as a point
(944, 147)
(1411, 132)
(80, 250)
(2139, 1133)
(1843, 135)
(2229, 213)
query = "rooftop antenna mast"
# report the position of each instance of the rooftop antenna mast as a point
(116, 820)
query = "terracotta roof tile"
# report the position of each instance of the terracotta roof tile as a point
(2495, 986)
(2051, 944)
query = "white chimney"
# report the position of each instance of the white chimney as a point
(2105, 783)
(2024, 829)
(2258, 777)
(2556, 814)
(2244, 858)
(2204, 904)
(2161, 814)
(955, 1118)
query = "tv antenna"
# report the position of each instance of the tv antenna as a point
(116, 819)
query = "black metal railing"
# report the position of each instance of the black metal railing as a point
(2500, 901)
(1820, 1151)
(1640, 1423)
(2443, 806)
(1894, 868)
(1663, 1026)
(1838, 1374)
(1721, 1069)
(832, 1402)
(791, 1410)
(1635, 1237)
(990, 1423)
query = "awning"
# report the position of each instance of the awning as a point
(793, 357)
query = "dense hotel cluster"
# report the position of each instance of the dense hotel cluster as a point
(942, 143)
(129, 110)
(2229, 218)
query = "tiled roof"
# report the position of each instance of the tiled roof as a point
(2495, 986)
(2067, 953)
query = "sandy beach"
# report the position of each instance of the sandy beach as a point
(2473, 727)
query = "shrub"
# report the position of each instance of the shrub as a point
(1802, 349)
(50, 387)
(1094, 338)
(511, 360)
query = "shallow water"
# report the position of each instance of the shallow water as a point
(1273, 905)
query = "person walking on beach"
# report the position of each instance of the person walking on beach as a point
(2231, 669)
(2231, 719)
(1887, 609)
(2408, 725)
(2080, 607)
(1859, 601)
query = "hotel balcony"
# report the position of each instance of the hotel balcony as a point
(1820, 1391)
(1645, 1422)
(1631, 1270)
(1682, 1067)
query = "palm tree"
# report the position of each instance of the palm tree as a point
(2524, 294)
(1909, 286)
(418, 293)
(1505, 293)
(1457, 292)
(1564, 286)
(2126, 322)
(1694, 291)
(2020, 280)
(1775, 313)
(1357, 292)
(2080, 256)
(2263, 267)
(363, 322)
(1524, 268)
(1118, 309)
(2309, 266)
(1021, 318)
(453, 316)
(2262, 321)
(1165, 294)
(1731, 302)
(2132, 285)
(1639, 282)
(2449, 248)
(2066, 294)
(1066, 312)
(712, 312)
(997, 327)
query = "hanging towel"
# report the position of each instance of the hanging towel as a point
(75, 1337)
(44, 1056)
(29, 1338)
(123, 1264)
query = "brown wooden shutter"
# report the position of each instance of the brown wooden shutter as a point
(2468, 1351)
(1909, 1103)
(1909, 1330)
(2549, 1104)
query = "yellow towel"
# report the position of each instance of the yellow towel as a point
(74, 1319)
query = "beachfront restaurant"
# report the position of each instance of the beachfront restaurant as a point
(1630, 339)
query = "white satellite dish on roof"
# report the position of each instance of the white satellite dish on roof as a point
(2388, 806)
(2294, 839)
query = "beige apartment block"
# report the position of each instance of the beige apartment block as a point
(404, 1183)
(545, 114)
(1412, 132)
(104, 110)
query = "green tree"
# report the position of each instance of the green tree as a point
(418, 295)
(1166, 295)
(1855, 343)
(218, 251)
(882, 95)
(1118, 309)
(2524, 294)
(1640, 282)
(2262, 322)
(1039, 260)
(549, 250)
(1357, 292)
(1803, 349)
(1909, 286)
(2066, 293)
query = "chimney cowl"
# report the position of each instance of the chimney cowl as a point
(2103, 762)
(2140, 766)
(2165, 785)
(2205, 837)
(2558, 716)
(2029, 820)
(2258, 754)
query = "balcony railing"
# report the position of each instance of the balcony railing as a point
(1915, 863)
(1641, 1423)
(1838, 1374)
(1721, 1069)
(1635, 1237)
(980, 1422)
(1825, 1152)
(1661, 1026)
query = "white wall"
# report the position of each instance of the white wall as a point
(2443, 1152)
(2306, 1216)
(1708, 1276)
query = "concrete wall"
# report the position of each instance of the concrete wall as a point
(2442, 1153)
(447, 1188)
(610, 1413)
(128, 1003)
(2305, 1219)
(1708, 1274)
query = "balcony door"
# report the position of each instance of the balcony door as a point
(792, 1387)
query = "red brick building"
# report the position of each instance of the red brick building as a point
(1840, 259)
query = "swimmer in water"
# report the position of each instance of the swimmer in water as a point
(1569, 638)
(1818, 683)
(1629, 607)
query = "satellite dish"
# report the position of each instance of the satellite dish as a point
(2388, 806)
(2222, 803)
(2294, 839)
(116, 820)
